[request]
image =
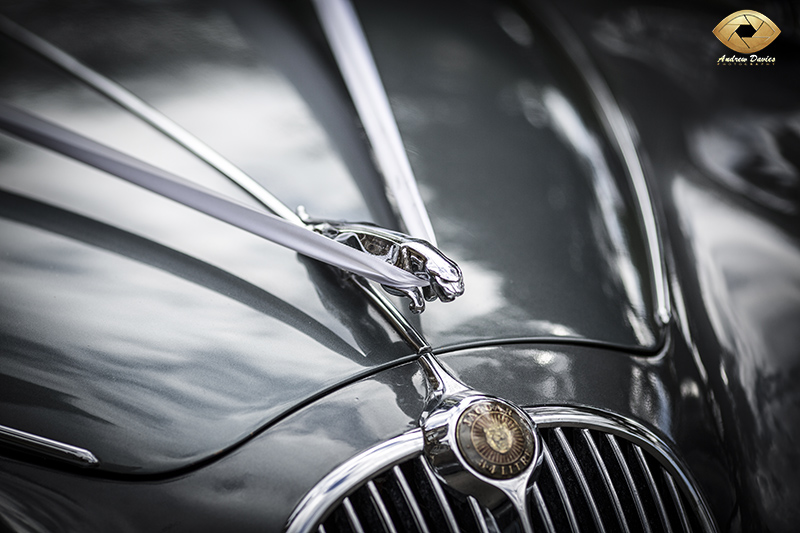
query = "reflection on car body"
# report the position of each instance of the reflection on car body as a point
(622, 357)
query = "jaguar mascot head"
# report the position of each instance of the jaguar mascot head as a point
(444, 277)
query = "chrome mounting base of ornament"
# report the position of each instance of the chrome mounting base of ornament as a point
(479, 445)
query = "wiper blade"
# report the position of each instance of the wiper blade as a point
(270, 227)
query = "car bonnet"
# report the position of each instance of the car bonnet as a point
(529, 172)
(157, 338)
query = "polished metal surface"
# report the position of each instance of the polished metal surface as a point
(512, 447)
(220, 378)
(609, 484)
(441, 499)
(724, 175)
(639, 437)
(572, 521)
(618, 128)
(651, 483)
(411, 500)
(477, 513)
(629, 480)
(655, 391)
(377, 501)
(352, 53)
(443, 277)
(399, 322)
(450, 441)
(228, 491)
(581, 477)
(541, 504)
(355, 523)
(41, 445)
(440, 383)
(332, 490)
(563, 509)
(121, 96)
(149, 249)
(676, 500)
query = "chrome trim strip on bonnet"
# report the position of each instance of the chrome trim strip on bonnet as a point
(43, 445)
(617, 127)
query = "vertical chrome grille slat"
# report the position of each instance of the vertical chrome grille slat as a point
(355, 523)
(662, 510)
(593, 471)
(578, 471)
(544, 512)
(444, 505)
(380, 506)
(562, 490)
(477, 513)
(411, 500)
(676, 499)
(491, 523)
(626, 472)
(609, 484)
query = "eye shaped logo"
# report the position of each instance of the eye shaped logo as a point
(746, 31)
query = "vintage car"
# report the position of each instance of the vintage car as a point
(316, 266)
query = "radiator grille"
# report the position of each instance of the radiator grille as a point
(591, 479)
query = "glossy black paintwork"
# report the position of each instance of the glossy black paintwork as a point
(287, 37)
(135, 363)
(524, 189)
(155, 359)
(722, 390)
(167, 336)
(666, 392)
(253, 488)
(722, 147)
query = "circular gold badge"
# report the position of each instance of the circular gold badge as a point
(495, 439)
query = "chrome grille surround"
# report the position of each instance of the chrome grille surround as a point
(601, 472)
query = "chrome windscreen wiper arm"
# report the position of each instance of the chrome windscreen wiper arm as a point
(352, 53)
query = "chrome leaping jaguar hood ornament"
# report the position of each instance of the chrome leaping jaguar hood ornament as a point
(433, 276)
(417, 256)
